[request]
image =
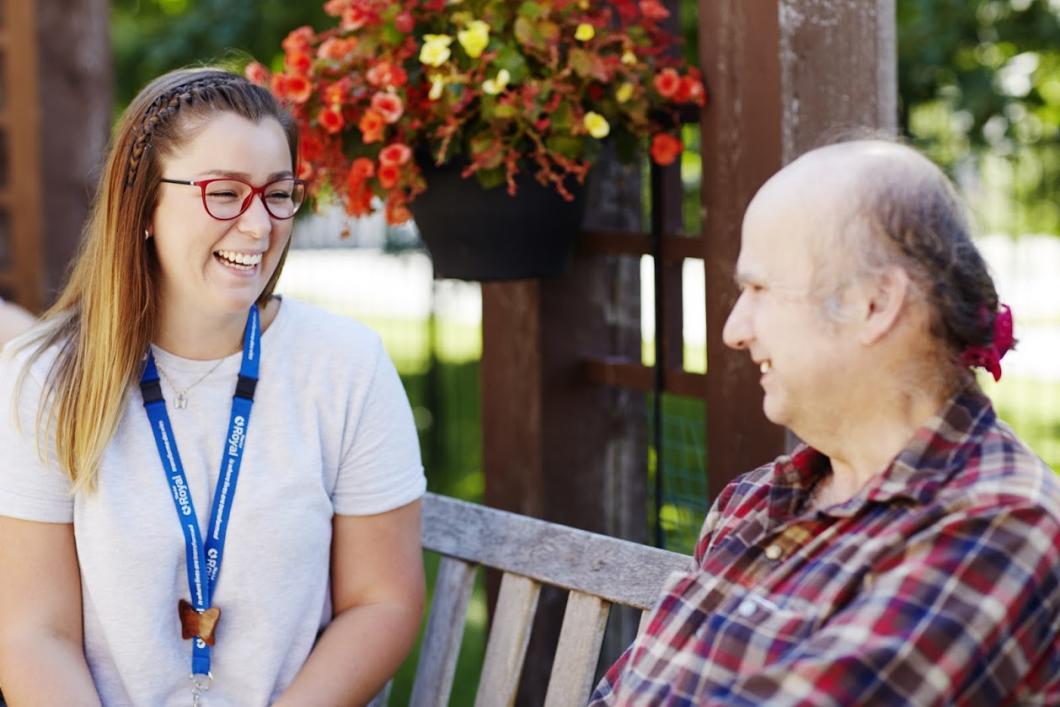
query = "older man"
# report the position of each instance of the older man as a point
(909, 552)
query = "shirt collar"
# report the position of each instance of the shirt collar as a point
(936, 450)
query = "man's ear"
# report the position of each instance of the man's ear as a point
(885, 297)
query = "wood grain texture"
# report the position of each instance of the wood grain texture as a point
(445, 629)
(618, 571)
(573, 668)
(508, 638)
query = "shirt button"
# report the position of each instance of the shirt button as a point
(746, 608)
(773, 552)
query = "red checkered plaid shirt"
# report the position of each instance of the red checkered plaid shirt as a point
(937, 584)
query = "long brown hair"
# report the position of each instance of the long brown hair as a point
(105, 317)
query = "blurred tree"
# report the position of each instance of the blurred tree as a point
(979, 82)
(150, 37)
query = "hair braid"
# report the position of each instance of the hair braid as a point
(161, 111)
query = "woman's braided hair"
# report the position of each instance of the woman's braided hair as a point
(203, 91)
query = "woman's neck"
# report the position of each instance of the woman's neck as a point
(192, 335)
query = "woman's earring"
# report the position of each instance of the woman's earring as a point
(147, 235)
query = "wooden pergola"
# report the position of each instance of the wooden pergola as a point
(563, 401)
(562, 384)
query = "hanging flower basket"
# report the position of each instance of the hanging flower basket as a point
(473, 233)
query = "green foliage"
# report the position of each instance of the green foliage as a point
(150, 37)
(979, 82)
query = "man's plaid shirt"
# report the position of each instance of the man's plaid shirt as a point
(937, 584)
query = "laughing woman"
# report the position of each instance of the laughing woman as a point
(198, 477)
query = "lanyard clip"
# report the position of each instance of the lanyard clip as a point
(200, 684)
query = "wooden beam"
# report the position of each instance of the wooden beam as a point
(776, 89)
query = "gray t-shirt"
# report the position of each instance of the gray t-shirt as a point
(331, 432)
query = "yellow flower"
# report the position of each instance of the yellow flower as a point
(585, 32)
(495, 86)
(596, 124)
(624, 92)
(435, 49)
(437, 87)
(629, 58)
(475, 38)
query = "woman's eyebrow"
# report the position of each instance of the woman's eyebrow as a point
(230, 174)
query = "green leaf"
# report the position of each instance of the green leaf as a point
(505, 111)
(566, 145)
(581, 62)
(531, 10)
(512, 59)
(490, 178)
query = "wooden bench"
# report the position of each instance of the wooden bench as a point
(597, 570)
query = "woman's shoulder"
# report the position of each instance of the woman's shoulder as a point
(306, 326)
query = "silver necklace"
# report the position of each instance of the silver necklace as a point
(181, 400)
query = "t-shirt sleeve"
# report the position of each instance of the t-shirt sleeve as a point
(380, 468)
(31, 488)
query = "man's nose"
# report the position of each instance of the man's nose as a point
(737, 332)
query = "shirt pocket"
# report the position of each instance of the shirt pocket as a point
(748, 630)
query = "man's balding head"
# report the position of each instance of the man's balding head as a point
(871, 204)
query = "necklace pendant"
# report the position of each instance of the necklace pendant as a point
(197, 624)
(181, 402)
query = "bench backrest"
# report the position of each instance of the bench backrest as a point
(597, 570)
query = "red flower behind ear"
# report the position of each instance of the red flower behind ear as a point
(989, 356)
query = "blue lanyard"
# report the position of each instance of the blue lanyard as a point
(204, 560)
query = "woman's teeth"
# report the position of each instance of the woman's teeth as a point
(242, 260)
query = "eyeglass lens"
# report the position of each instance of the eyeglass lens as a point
(226, 199)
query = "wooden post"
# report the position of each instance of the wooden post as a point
(76, 88)
(782, 76)
(555, 445)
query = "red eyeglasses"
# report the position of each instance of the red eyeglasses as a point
(227, 198)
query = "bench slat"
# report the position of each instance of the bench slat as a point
(578, 651)
(616, 570)
(508, 638)
(445, 629)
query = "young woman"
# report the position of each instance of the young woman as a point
(199, 478)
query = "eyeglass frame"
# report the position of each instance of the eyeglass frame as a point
(254, 191)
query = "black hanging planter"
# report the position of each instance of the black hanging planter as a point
(483, 234)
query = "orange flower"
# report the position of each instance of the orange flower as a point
(388, 105)
(389, 175)
(330, 119)
(396, 153)
(256, 73)
(354, 18)
(665, 148)
(361, 169)
(371, 125)
(336, 93)
(667, 82)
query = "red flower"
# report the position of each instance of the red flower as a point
(386, 75)
(336, 48)
(690, 90)
(299, 62)
(298, 40)
(665, 148)
(388, 105)
(396, 153)
(361, 169)
(256, 73)
(336, 93)
(355, 18)
(296, 89)
(667, 83)
(653, 10)
(310, 146)
(330, 119)
(404, 22)
(596, 92)
(389, 175)
(371, 125)
(396, 212)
